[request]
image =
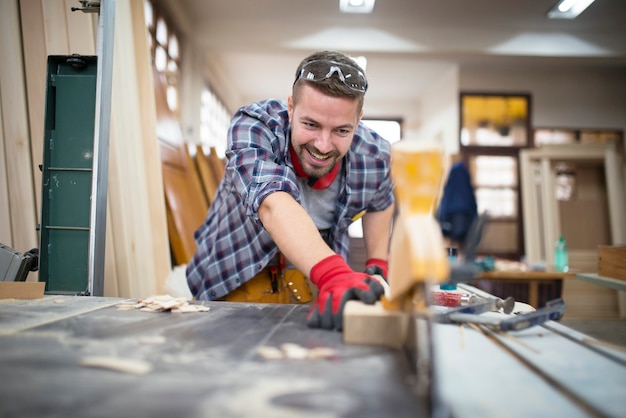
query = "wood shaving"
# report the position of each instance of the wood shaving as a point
(270, 353)
(162, 303)
(125, 307)
(321, 352)
(295, 352)
(117, 364)
(152, 339)
(191, 308)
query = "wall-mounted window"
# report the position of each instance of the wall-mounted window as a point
(163, 42)
(494, 120)
(214, 122)
(391, 130)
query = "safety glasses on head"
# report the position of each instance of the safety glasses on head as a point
(320, 70)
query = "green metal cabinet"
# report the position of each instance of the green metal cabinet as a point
(67, 171)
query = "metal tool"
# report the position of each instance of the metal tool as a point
(486, 305)
(14, 265)
(552, 311)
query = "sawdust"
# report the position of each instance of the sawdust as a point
(295, 352)
(118, 364)
(162, 303)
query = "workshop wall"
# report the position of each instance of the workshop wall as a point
(581, 97)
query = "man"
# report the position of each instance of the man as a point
(297, 176)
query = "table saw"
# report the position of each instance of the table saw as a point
(208, 364)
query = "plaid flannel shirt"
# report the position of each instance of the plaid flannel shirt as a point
(232, 245)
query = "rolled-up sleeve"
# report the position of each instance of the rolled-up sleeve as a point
(257, 156)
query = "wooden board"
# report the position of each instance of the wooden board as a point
(217, 165)
(184, 197)
(373, 325)
(17, 155)
(21, 290)
(33, 40)
(138, 226)
(612, 261)
(207, 174)
(586, 300)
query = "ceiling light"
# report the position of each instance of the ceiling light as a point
(356, 6)
(568, 9)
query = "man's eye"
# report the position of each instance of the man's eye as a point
(343, 131)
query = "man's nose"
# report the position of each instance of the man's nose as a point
(324, 143)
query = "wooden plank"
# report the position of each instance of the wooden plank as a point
(612, 261)
(206, 173)
(530, 209)
(113, 286)
(156, 214)
(55, 27)
(614, 172)
(217, 165)
(551, 220)
(183, 192)
(33, 44)
(16, 139)
(82, 29)
(6, 236)
(373, 325)
(586, 300)
(21, 290)
(129, 203)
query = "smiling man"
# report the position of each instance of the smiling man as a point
(298, 174)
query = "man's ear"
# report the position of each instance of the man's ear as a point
(290, 107)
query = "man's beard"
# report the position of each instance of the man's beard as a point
(313, 172)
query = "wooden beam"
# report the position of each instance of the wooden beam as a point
(16, 138)
(374, 325)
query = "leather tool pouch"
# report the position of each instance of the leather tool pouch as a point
(274, 285)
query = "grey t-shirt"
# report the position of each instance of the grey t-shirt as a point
(320, 204)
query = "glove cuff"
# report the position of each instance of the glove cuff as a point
(372, 264)
(328, 268)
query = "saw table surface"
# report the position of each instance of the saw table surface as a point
(207, 364)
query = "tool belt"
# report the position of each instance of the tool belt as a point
(276, 283)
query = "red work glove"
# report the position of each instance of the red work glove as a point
(376, 266)
(337, 283)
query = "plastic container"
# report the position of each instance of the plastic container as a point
(453, 254)
(561, 257)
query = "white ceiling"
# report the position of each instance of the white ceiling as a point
(407, 42)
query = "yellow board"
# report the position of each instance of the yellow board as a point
(417, 251)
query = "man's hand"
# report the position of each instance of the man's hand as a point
(337, 283)
(376, 266)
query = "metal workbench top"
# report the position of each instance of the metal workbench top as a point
(207, 364)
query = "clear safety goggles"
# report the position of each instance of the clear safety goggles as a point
(352, 77)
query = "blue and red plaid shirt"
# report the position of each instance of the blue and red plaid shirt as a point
(232, 245)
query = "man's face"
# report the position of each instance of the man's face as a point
(322, 128)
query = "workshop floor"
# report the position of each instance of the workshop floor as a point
(609, 330)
